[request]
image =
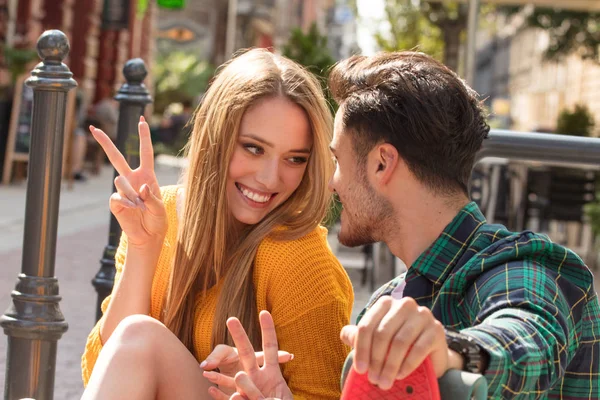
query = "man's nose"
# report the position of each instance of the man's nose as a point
(330, 185)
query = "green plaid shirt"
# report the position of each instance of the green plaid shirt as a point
(528, 302)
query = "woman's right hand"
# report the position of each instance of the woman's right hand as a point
(137, 203)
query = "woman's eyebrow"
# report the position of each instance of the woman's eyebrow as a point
(269, 144)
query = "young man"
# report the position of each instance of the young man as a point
(513, 306)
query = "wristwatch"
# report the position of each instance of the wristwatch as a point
(467, 348)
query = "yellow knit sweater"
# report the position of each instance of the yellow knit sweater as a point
(300, 282)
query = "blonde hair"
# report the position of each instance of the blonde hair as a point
(204, 253)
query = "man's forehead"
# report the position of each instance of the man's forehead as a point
(338, 128)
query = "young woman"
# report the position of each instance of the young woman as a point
(240, 235)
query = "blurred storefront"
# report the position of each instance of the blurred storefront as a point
(103, 34)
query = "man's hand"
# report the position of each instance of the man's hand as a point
(256, 382)
(394, 337)
(227, 360)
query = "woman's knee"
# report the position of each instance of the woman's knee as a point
(140, 331)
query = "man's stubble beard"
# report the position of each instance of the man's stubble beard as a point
(366, 225)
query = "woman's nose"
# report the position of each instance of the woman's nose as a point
(268, 175)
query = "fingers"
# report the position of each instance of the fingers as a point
(222, 354)
(125, 189)
(246, 387)
(365, 331)
(282, 357)
(348, 334)
(397, 330)
(146, 150)
(269, 338)
(431, 342)
(118, 203)
(223, 381)
(114, 155)
(217, 394)
(152, 201)
(244, 347)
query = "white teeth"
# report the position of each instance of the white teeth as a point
(255, 197)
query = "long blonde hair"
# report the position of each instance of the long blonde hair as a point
(204, 253)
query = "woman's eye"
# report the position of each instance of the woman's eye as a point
(254, 149)
(298, 160)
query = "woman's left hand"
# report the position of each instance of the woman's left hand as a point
(260, 375)
(227, 360)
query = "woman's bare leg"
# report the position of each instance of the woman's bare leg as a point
(143, 359)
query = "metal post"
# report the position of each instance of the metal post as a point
(133, 97)
(34, 322)
(473, 22)
(230, 41)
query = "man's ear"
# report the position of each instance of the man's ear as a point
(385, 161)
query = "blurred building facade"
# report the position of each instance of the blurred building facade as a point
(341, 29)
(531, 91)
(198, 28)
(103, 34)
(268, 23)
(203, 26)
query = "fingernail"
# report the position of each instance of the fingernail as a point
(291, 357)
(142, 119)
(374, 379)
(361, 367)
(385, 384)
(140, 204)
(92, 127)
(203, 364)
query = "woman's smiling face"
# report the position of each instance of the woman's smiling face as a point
(273, 146)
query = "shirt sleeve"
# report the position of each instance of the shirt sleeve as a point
(94, 342)
(311, 300)
(525, 316)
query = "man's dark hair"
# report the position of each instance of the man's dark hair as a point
(410, 100)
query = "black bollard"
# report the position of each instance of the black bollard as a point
(34, 322)
(133, 97)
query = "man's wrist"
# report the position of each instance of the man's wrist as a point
(472, 357)
(455, 360)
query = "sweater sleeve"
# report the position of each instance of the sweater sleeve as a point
(311, 299)
(94, 342)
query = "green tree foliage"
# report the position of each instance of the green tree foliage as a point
(310, 50)
(578, 122)
(435, 28)
(409, 29)
(178, 76)
(570, 31)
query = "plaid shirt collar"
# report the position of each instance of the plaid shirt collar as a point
(438, 261)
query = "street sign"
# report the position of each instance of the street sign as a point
(173, 4)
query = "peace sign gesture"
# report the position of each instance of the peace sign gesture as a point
(257, 383)
(137, 204)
